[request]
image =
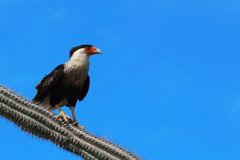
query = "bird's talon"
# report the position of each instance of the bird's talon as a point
(78, 125)
(62, 118)
(59, 117)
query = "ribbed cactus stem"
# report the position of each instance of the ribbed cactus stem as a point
(39, 121)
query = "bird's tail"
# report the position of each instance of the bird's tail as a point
(38, 99)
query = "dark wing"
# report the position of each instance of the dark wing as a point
(49, 82)
(84, 90)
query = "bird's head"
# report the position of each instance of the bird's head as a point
(85, 49)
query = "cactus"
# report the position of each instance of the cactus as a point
(40, 122)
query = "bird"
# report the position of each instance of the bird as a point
(67, 83)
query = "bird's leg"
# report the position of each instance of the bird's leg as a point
(75, 123)
(73, 115)
(62, 114)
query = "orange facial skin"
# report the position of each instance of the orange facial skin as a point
(92, 50)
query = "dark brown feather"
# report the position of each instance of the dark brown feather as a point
(85, 89)
(49, 82)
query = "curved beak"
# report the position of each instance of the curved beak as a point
(98, 51)
(94, 50)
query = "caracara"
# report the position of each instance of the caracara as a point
(67, 83)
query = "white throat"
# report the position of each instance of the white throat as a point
(78, 60)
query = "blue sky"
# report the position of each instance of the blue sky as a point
(166, 87)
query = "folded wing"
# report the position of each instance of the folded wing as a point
(48, 83)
